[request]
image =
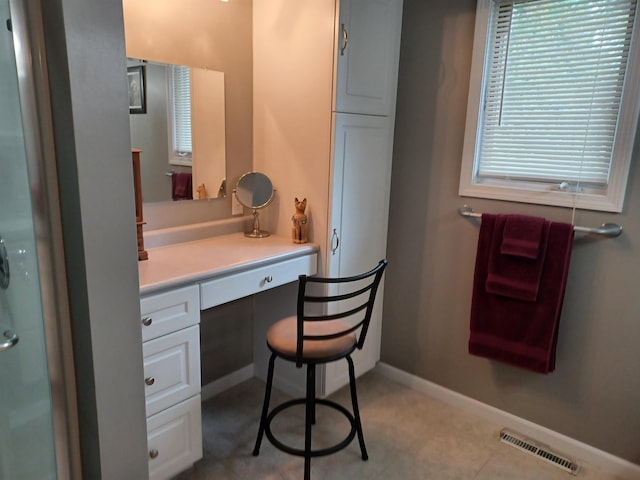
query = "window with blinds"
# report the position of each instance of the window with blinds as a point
(180, 115)
(555, 103)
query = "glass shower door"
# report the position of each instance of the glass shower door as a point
(26, 425)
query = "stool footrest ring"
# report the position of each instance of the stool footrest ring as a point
(313, 453)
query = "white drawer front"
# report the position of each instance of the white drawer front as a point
(232, 287)
(170, 311)
(174, 438)
(171, 368)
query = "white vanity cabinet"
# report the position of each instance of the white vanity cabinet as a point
(171, 350)
(363, 125)
(176, 283)
(359, 212)
(367, 56)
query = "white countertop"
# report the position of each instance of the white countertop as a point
(181, 263)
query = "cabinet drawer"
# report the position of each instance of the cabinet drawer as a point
(171, 368)
(174, 439)
(232, 287)
(170, 311)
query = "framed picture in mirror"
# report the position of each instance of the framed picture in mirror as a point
(137, 98)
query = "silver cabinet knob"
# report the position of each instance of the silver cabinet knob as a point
(149, 381)
(147, 321)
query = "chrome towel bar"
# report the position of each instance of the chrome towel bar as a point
(606, 229)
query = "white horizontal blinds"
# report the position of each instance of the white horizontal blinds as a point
(181, 107)
(554, 80)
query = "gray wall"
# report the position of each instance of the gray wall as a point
(85, 56)
(593, 395)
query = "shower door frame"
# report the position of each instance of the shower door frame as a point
(35, 103)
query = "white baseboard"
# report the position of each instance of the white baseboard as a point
(225, 383)
(558, 441)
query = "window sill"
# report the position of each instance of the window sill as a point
(543, 195)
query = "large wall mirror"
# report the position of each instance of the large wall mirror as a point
(212, 43)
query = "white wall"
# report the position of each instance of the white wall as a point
(292, 108)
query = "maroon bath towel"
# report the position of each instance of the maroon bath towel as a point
(181, 186)
(519, 332)
(517, 276)
(522, 236)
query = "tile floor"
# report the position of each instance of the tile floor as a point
(408, 435)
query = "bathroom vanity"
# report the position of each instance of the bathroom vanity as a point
(176, 283)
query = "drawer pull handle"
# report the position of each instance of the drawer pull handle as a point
(153, 453)
(147, 321)
(268, 279)
(345, 40)
(335, 237)
(149, 381)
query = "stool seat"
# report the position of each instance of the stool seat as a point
(282, 337)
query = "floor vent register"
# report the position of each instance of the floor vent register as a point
(525, 444)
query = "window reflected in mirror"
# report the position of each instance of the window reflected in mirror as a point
(179, 115)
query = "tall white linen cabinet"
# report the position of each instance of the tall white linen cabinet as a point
(325, 80)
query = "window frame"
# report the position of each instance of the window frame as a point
(609, 198)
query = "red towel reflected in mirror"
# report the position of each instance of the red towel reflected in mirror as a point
(181, 186)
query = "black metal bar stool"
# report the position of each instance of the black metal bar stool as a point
(312, 339)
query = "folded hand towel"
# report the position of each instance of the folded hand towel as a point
(522, 236)
(515, 276)
(516, 332)
(181, 186)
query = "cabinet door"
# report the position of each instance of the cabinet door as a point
(359, 216)
(174, 439)
(368, 48)
(171, 368)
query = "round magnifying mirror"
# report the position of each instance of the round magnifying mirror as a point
(255, 190)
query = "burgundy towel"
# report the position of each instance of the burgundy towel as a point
(520, 333)
(515, 276)
(181, 186)
(522, 236)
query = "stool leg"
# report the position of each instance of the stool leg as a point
(356, 410)
(309, 418)
(265, 406)
(312, 396)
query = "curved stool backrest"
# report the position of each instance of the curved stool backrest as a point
(351, 299)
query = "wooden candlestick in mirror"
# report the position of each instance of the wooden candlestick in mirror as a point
(137, 188)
